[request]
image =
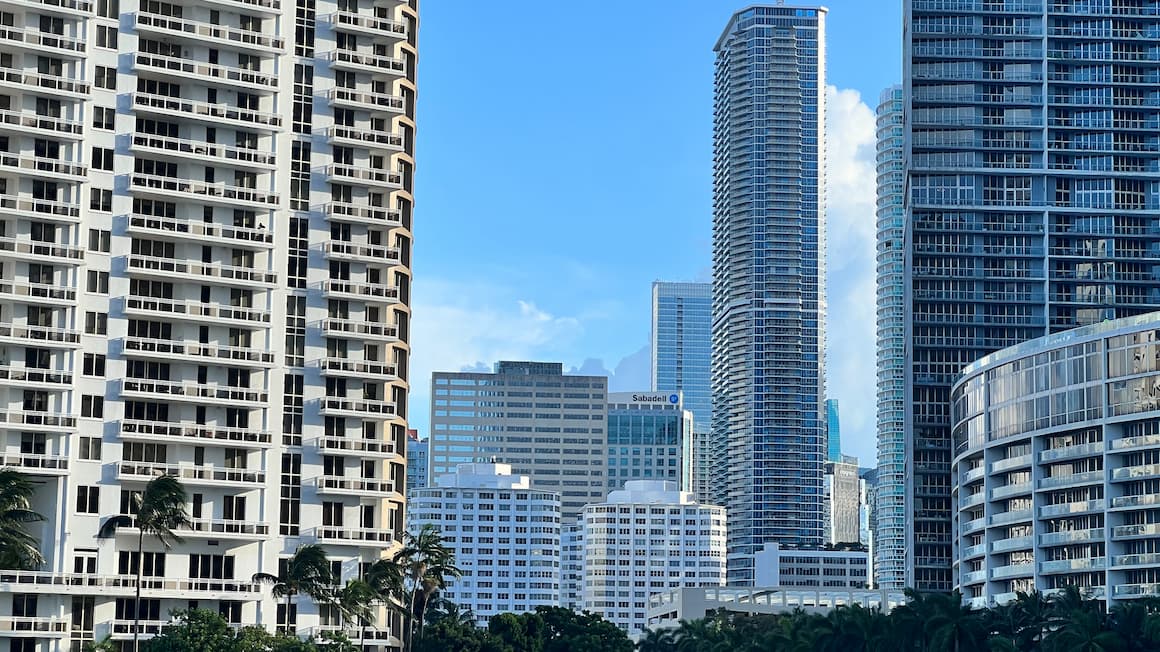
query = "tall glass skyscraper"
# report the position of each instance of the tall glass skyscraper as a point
(890, 511)
(681, 338)
(1034, 201)
(768, 279)
(833, 431)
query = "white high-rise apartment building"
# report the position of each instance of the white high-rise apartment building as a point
(205, 241)
(648, 538)
(505, 536)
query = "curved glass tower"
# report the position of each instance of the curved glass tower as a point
(890, 536)
(768, 279)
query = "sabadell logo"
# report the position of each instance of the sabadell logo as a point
(673, 398)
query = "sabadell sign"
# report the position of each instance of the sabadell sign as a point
(646, 398)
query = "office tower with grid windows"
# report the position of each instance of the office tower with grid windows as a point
(546, 425)
(205, 243)
(1033, 207)
(767, 378)
(890, 492)
(650, 437)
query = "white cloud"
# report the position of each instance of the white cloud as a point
(850, 170)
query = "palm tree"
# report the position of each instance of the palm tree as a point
(307, 572)
(427, 563)
(357, 601)
(19, 550)
(656, 640)
(954, 625)
(1085, 631)
(157, 511)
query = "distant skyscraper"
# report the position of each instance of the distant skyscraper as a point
(682, 319)
(1034, 203)
(650, 437)
(769, 279)
(484, 514)
(546, 425)
(843, 492)
(833, 431)
(890, 533)
(417, 461)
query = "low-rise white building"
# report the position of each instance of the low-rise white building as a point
(668, 609)
(505, 536)
(648, 538)
(827, 569)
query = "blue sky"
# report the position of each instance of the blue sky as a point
(564, 163)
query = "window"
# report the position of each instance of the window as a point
(103, 117)
(98, 282)
(99, 240)
(93, 406)
(96, 323)
(94, 364)
(109, 8)
(107, 36)
(153, 563)
(103, 159)
(106, 78)
(90, 448)
(101, 199)
(88, 500)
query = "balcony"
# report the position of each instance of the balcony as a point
(52, 84)
(365, 137)
(170, 268)
(1012, 516)
(24, 122)
(191, 391)
(1131, 531)
(35, 464)
(171, 228)
(364, 176)
(201, 191)
(71, 8)
(359, 330)
(35, 421)
(27, 335)
(197, 311)
(351, 98)
(365, 62)
(194, 434)
(355, 446)
(1011, 490)
(40, 209)
(1011, 463)
(49, 168)
(362, 214)
(1136, 472)
(1136, 501)
(246, 6)
(357, 368)
(1072, 536)
(31, 378)
(216, 73)
(43, 42)
(199, 150)
(33, 626)
(1073, 565)
(973, 551)
(349, 21)
(370, 487)
(199, 31)
(38, 293)
(1065, 452)
(369, 292)
(973, 474)
(349, 536)
(207, 112)
(192, 475)
(1013, 543)
(1142, 559)
(361, 253)
(124, 585)
(217, 528)
(1014, 570)
(123, 630)
(196, 351)
(41, 252)
(1136, 590)
(1077, 507)
(1087, 477)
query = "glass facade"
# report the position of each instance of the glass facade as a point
(681, 338)
(649, 442)
(1056, 466)
(833, 431)
(1034, 201)
(769, 280)
(890, 494)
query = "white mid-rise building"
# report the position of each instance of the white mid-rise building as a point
(842, 489)
(847, 568)
(205, 244)
(505, 536)
(646, 539)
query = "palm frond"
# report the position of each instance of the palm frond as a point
(112, 524)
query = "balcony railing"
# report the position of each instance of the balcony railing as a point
(47, 335)
(361, 291)
(365, 61)
(42, 124)
(338, 535)
(357, 486)
(191, 391)
(368, 253)
(54, 43)
(208, 112)
(216, 72)
(42, 209)
(37, 293)
(369, 24)
(363, 175)
(21, 376)
(81, 8)
(211, 191)
(363, 214)
(198, 270)
(54, 252)
(51, 83)
(357, 445)
(368, 138)
(252, 317)
(357, 407)
(356, 329)
(201, 150)
(234, 236)
(200, 31)
(261, 6)
(348, 367)
(367, 100)
(124, 585)
(42, 166)
(193, 433)
(33, 625)
(193, 474)
(35, 464)
(227, 354)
